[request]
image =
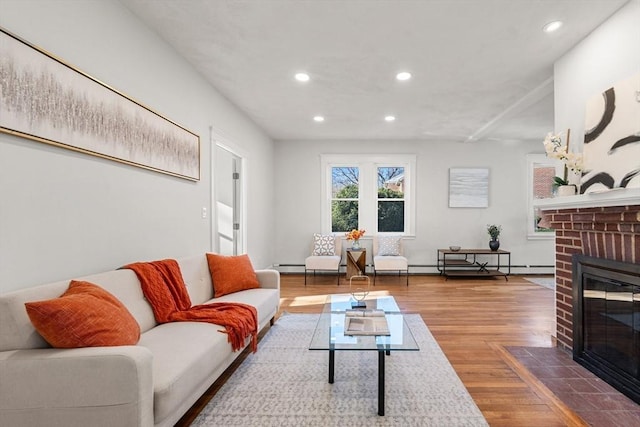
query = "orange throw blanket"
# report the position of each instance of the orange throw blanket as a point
(164, 288)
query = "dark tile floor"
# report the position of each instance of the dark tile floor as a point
(594, 400)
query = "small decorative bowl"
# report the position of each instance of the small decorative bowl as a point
(454, 248)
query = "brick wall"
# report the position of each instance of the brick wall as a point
(605, 232)
(543, 182)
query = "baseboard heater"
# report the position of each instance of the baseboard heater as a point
(426, 266)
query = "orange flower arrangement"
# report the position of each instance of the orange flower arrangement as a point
(355, 234)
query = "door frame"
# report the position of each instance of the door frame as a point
(220, 142)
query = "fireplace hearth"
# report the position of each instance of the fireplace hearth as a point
(606, 321)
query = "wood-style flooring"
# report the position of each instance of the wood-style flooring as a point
(472, 321)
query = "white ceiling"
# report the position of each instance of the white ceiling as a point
(482, 69)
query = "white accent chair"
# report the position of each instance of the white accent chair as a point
(324, 259)
(388, 255)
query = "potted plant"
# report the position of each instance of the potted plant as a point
(572, 161)
(494, 232)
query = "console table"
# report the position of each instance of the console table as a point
(473, 263)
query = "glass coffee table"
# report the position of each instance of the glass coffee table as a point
(329, 334)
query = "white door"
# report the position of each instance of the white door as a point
(228, 195)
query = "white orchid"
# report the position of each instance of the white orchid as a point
(556, 150)
(573, 161)
(552, 144)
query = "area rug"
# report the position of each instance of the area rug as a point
(285, 384)
(547, 282)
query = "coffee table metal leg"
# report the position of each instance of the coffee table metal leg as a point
(381, 357)
(332, 355)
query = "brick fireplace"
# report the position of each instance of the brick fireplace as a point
(611, 232)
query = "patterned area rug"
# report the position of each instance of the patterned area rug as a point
(285, 384)
(547, 282)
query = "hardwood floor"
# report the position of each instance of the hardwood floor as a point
(472, 320)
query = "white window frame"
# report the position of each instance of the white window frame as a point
(368, 165)
(533, 161)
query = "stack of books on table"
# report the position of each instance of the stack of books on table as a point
(365, 322)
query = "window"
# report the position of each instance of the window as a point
(391, 199)
(370, 192)
(540, 186)
(344, 198)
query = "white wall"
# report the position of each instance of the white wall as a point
(65, 214)
(611, 53)
(606, 56)
(299, 196)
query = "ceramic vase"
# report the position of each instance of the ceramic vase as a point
(355, 244)
(566, 190)
(494, 244)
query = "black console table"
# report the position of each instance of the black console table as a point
(473, 263)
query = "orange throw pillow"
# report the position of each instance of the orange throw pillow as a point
(231, 274)
(84, 316)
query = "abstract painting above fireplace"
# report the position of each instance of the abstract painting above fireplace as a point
(612, 138)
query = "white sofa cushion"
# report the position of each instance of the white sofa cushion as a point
(188, 354)
(197, 277)
(185, 355)
(17, 331)
(264, 300)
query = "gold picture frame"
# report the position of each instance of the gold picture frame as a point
(47, 100)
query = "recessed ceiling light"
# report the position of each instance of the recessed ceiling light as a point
(318, 119)
(389, 118)
(404, 75)
(302, 77)
(552, 26)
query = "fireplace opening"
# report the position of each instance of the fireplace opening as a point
(606, 321)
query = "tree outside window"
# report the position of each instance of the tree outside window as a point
(344, 198)
(391, 199)
(372, 192)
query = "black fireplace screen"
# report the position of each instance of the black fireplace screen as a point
(606, 319)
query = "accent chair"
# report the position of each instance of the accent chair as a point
(388, 255)
(326, 255)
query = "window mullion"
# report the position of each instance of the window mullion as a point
(368, 198)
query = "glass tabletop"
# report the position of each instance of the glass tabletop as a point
(329, 331)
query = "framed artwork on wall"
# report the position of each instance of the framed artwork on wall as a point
(468, 187)
(612, 138)
(45, 99)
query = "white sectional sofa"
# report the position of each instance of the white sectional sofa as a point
(152, 383)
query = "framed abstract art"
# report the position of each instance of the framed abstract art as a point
(45, 99)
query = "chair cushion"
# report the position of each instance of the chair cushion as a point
(389, 246)
(324, 245)
(389, 262)
(231, 274)
(84, 316)
(322, 262)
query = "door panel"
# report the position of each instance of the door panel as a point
(228, 220)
